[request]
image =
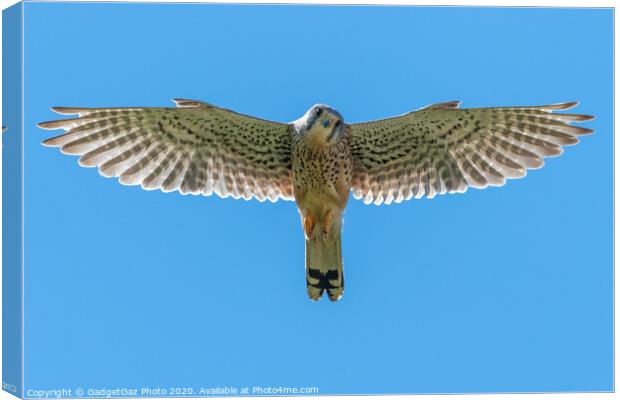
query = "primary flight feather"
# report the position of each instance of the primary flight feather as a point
(316, 160)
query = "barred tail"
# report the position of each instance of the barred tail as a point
(324, 267)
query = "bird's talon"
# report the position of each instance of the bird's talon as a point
(308, 226)
(328, 220)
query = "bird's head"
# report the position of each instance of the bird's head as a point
(321, 125)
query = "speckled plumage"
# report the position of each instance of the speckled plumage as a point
(322, 172)
(198, 148)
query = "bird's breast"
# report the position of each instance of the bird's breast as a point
(322, 173)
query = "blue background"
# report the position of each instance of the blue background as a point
(12, 205)
(506, 289)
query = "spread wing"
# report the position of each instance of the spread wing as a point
(443, 149)
(195, 148)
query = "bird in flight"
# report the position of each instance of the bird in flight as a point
(198, 148)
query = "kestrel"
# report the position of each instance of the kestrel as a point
(198, 148)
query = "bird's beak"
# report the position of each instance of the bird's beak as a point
(326, 122)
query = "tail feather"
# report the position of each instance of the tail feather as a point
(324, 267)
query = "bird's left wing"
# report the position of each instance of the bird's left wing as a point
(443, 149)
(195, 148)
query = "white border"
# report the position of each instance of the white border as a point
(484, 3)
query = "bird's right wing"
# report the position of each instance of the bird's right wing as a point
(195, 148)
(443, 149)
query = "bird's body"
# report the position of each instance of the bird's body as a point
(322, 171)
(316, 160)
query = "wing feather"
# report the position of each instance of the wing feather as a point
(444, 149)
(195, 148)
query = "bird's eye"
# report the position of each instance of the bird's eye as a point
(318, 112)
(338, 123)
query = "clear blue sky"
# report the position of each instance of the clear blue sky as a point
(506, 289)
